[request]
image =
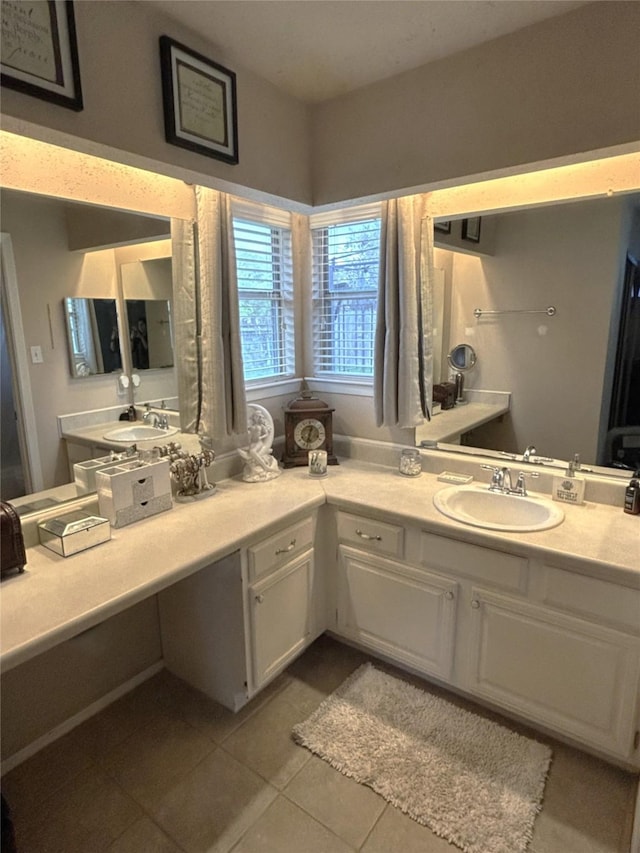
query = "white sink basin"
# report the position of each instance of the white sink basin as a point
(142, 432)
(477, 506)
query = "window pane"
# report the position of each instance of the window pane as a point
(345, 279)
(265, 289)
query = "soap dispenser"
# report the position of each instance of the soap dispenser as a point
(570, 488)
(632, 495)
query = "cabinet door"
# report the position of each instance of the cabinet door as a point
(565, 672)
(407, 614)
(280, 617)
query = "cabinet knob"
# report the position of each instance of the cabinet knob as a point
(475, 604)
(367, 536)
(260, 598)
(449, 595)
(286, 550)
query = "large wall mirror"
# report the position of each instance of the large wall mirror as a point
(559, 369)
(69, 268)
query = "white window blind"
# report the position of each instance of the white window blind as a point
(262, 239)
(346, 260)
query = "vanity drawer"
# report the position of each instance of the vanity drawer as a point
(484, 564)
(586, 596)
(278, 549)
(378, 536)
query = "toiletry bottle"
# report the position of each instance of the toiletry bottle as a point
(632, 495)
(570, 488)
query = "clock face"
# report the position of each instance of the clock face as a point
(309, 434)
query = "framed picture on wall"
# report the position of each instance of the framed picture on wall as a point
(199, 98)
(39, 51)
(471, 229)
(444, 226)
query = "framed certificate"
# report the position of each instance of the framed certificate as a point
(199, 98)
(39, 50)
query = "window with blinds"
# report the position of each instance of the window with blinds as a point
(346, 260)
(265, 291)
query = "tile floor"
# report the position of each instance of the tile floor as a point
(164, 770)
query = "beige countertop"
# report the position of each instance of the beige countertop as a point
(57, 598)
(449, 424)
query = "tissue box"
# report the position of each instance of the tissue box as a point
(73, 532)
(130, 491)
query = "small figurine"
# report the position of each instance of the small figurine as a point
(259, 462)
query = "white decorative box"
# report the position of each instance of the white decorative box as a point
(130, 491)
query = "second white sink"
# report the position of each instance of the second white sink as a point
(141, 432)
(479, 507)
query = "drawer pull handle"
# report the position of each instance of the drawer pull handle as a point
(449, 595)
(260, 598)
(475, 604)
(367, 536)
(286, 550)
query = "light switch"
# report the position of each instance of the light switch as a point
(36, 355)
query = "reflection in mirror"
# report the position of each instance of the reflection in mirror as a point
(147, 288)
(93, 336)
(559, 370)
(150, 333)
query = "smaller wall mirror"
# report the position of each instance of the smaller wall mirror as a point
(93, 336)
(462, 357)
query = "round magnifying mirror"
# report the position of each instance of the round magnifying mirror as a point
(462, 357)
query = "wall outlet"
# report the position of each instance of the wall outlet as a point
(36, 355)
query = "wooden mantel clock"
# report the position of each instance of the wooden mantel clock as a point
(307, 426)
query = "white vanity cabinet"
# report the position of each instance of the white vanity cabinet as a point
(568, 673)
(231, 627)
(403, 612)
(552, 646)
(280, 601)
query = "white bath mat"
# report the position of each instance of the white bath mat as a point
(469, 780)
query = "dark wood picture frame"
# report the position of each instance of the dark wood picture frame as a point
(471, 229)
(444, 226)
(199, 100)
(40, 51)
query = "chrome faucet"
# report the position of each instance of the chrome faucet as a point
(151, 417)
(501, 481)
(160, 421)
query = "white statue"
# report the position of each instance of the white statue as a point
(259, 462)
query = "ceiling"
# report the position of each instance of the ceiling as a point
(317, 49)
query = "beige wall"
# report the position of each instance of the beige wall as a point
(556, 89)
(568, 256)
(120, 70)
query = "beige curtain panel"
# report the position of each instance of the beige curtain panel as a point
(403, 355)
(207, 320)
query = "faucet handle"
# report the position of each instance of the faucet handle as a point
(497, 476)
(520, 487)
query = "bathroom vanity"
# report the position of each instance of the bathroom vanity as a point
(544, 626)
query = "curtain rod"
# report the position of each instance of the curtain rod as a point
(550, 311)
